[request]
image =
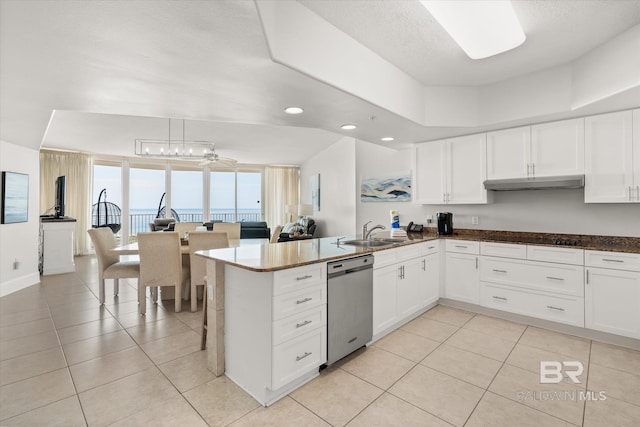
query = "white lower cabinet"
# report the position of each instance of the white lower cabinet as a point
(405, 287)
(462, 275)
(384, 297)
(612, 296)
(517, 281)
(275, 328)
(558, 308)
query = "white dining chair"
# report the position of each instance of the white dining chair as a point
(109, 265)
(185, 227)
(198, 241)
(160, 265)
(231, 228)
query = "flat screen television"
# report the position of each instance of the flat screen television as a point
(61, 195)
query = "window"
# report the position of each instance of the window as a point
(236, 196)
(249, 196)
(222, 196)
(108, 177)
(146, 187)
(186, 194)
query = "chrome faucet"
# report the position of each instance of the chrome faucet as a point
(364, 229)
(366, 235)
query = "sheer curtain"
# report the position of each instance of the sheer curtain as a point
(77, 168)
(282, 188)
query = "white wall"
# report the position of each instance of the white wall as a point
(337, 216)
(372, 160)
(20, 241)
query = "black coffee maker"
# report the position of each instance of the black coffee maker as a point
(445, 222)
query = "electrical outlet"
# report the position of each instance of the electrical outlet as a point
(16, 264)
(474, 220)
(429, 219)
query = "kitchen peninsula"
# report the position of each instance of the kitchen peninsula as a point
(267, 304)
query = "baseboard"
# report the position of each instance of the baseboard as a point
(590, 334)
(14, 285)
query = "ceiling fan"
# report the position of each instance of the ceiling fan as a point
(212, 158)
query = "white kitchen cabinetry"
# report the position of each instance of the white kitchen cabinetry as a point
(452, 171)
(549, 149)
(612, 294)
(518, 281)
(509, 153)
(612, 158)
(462, 276)
(275, 328)
(430, 160)
(405, 280)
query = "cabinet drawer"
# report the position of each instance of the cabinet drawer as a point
(617, 260)
(432, 247)
(414, 250)
(299, 277)
(569, 310)
(385, 258)
(463, 246)
(556, 278)
(297, 301)
(558, 255)
(505, 250)
(298, 356)
(299, 324)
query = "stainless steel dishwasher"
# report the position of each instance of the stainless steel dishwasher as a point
(349, 306)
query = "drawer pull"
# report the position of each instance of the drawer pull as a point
(500, 298)
(550, 307)
(305, 277)
(431, 247)
(306, 354)
(555, 278)
(461, 246)
(302, 301)
(499, 271)
(612, 260)
(305, 323)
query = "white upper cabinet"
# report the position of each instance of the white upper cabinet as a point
(467, 169)
(549, 149)
(451, 171)
(558, 148)
(609, 158)
(636, 152)
(509, 153)
(430, 161)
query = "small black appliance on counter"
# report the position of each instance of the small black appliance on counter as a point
(445, 222)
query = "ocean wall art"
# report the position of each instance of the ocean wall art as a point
(391, 187)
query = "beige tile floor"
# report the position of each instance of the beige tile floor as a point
(67, 361)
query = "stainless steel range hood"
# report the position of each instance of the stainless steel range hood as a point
(538, 183)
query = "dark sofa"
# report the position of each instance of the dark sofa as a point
(254, 230)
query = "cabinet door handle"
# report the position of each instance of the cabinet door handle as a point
(424, 265)
(612, 260)
(305, 323)
(306, 354)
(461, 246)
(629, 193)
(403, 271)
(302, 301)
(637, 192)
(499, 271)
(476, 263)
(305, 277)
(400, 272)
(533, 169)
(500, 298)
(431, 247)
(587, 277)
(555, 278)
(550, 307)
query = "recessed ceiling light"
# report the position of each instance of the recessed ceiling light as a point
(481, 28)
(387, 139)
(348, 127)
(293, 110)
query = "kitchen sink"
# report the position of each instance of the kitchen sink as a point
(370, 243)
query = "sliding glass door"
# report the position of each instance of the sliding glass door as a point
(186, 194)
(146, 187)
